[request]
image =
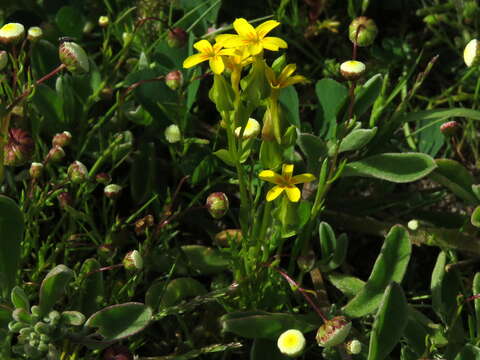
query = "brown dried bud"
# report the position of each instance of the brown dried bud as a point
(133, 261)
(64, 199)
(18, 149)
(62, 139)
(144, 223)
(35, 170)
(103, 178)
(112, 191)
(55, 154)
(176, 37)
(449, 128)
(223, 237)
(73, 57)
(217, 204)
(77, 172)
(174, 79)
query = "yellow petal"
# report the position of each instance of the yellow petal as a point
(264, 28)
(235, 41)
(273, 43)
(286, 72)
(274, 192)
(302, 178)
(295, 80)
(203, 46)
(287, 171)
(220, 39)
(270, 74)
(244, 29)
(270, 176)
(194, 60)
(216, 64)
(293, 193)
(228, 52)
(255, 48)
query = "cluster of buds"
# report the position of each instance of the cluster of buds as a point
(217, 204)
(59, 141)
(141, 225)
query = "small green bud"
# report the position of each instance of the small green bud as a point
(15, 326)
(353, 347)
(174, 79)
(54, 317)
(77, 172)
(333, 332)
(74, 318)
(3, 59)
(173, 134)
(18, 149)
(367, 31)
(176, 37)
(34, 33)
(127, 38)
(291, 343)
(55, 154)
(471, 53)
(112, 191)
(43, 328)
(35, 310)
(73, 57)
(352, 69)
(217, 204)
(11, 33)
(103, 21)
(22, 315)
(62, 139)
(103, 178)
(133, 261)
(36, 170)
(42, 347)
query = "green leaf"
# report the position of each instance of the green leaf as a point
(476, 291)
(475, 218)
(390, 266)
(389, 323)
(265, 349)
(47, 102)
(398, 168)
(154, 294)
(205, 260)
(366, 95)
(357, 139)
(92, 289)
(348, 285)
(331, 96)
(314, 149)
(19, 298)
(456, 178)
(11, 234)
(224, 155)
(70, 21)
(328, 240)
(270, 154)
(120, 321)
(143, 173)
(418, 328)
(469, 352)
(264, 325)
(53, 287)
(180, 289)
(74, 318)
(221, 94)
(441, 114)
(289, 99)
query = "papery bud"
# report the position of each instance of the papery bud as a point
(77, 172)
(176, 37)
(352, 69)
(172, 134)
(353, 347)
(291, 343)
(103, 178)
(133, 261)
(35, 170)
(73, 57)
(333, 331)
(62, 139)
(471, 53)
(223, 237)
(11, 33)
(112, 191)
(449, 128)
(174, 79)
(103, 21)
(217, 204)
(144, 223)
(367, 31)
(55, 154)
(3, 59)
(18, 149)
(64, 199)
(252, 129)
(34, 33)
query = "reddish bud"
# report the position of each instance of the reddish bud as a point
(19, 148)
(176, 37)
(217, 204)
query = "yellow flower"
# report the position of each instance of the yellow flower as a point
(285, 182)
(285, 78)
(291, 343)
(208, 52)
(253, 38)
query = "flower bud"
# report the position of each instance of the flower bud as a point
(174, 79)
(144, 223)
(176, 37)
(333, 331)
(127, 38)
(413, 225)
(353, 347)
(133, 261)
(172, 134)
(103, 21)
(223, 237)
(18, 149)
(366, 28)
(73, 57)
(3, 59)
(252, 129)
(64, 199)
(34, 33)
(77, 172)
(103, 178)
(11, 33)
(217, 204)
(352, 69)
(291, 343)
(112, 191)
(449, 128)
(35, 170)
(471, 53)
(62, 139)
(55, 154)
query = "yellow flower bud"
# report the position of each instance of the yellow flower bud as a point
(471, 54)
(11, 33)
(291, 343)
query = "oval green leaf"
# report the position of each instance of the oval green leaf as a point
(53, 287)
(180, 289)
(19, 298)
(357, 139)
(475, 218)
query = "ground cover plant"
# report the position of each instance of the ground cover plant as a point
(221, 180)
